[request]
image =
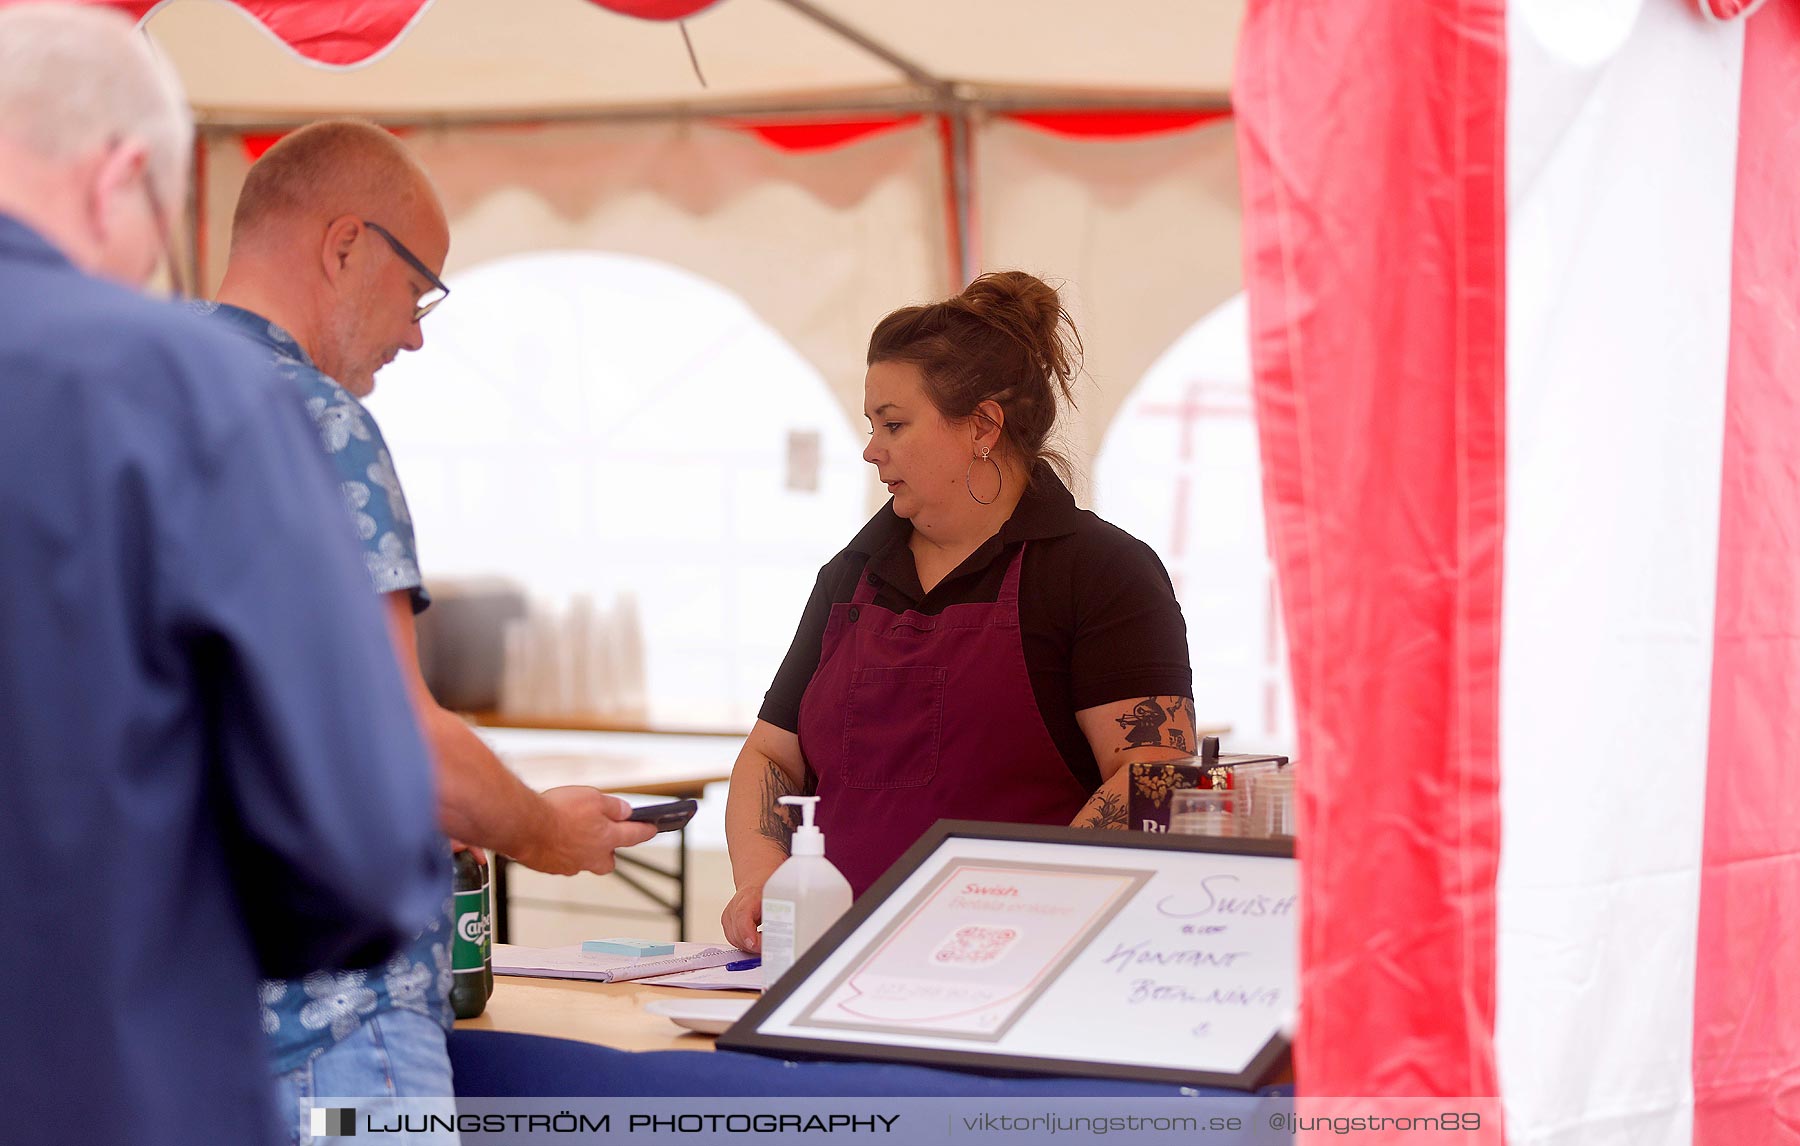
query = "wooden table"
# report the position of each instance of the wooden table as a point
(608, 1014)
(613, 1015)
(649, 763)
(638, 764)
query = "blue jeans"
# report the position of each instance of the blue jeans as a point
(395, 1054)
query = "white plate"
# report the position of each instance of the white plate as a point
(708, 1016)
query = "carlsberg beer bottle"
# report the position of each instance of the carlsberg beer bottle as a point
(469, 984)
(487, 926)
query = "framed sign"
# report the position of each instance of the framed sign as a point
(1054, 950)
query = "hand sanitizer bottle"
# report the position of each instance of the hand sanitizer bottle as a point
(803, 898)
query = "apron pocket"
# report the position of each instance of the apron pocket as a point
(892, 718)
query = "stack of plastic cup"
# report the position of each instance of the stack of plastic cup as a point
(1202, 812)
(1272, 803)
(1243, 786)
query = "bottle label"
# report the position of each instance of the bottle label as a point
(471, 928)
(777, 937)
(487, 916)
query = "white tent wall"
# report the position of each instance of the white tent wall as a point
(1143, 232)
(566, 128)
(820, 244)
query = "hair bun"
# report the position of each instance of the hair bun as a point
(1031, 313)
(1012, 288)
(1004, 338)
(1015, 296)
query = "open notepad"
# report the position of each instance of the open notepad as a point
(573, 963)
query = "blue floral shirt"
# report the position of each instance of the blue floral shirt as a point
(304, 1017)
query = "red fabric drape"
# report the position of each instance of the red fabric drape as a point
(1372, 151)
(820, 135)
(1746, 1001)
(1728, 9)
(346, 32)
(335, 32)
(1115, 124)
(655, 9)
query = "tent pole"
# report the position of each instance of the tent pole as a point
(959, 138)
(840, 105)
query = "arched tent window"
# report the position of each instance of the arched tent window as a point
(1179, 468)
(590, 424)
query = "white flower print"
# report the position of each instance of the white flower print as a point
(407, 982)
(392, 567)
(440, 955)
(356, 495)
(279, 335)
(338, 422)
(271, 991)
(381, 472)
(338, 1001)
(203, 306)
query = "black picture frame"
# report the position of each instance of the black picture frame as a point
(746, 1035)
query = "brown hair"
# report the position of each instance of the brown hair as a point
(1007, 338)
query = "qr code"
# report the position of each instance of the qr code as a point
(975, 944)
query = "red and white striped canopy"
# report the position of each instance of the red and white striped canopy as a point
(345, 33)
(292, 60)
(1523, 280)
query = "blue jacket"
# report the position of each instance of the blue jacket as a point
(208, 768)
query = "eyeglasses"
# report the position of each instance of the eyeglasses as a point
(438, 292)
(177, 287)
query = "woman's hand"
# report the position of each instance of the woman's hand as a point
(758, 827)
(741, 916)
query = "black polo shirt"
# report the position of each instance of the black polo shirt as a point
(1097, 615)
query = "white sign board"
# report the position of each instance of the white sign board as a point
(1055, 950)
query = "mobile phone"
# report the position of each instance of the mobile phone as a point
(667, 817)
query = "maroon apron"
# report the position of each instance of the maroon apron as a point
(911, 719)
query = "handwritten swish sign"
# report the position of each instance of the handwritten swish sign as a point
(1024, 948)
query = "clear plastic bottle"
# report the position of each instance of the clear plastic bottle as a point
(803, 898)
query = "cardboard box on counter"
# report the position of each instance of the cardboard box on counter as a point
(1152, 781)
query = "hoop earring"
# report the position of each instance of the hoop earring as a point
(999, 477)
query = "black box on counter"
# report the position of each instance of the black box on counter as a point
(1152, 781)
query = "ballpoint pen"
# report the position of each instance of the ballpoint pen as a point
(745, 964)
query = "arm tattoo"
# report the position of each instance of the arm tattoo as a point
(777, 820)
(1158, 722)
(1109, 812)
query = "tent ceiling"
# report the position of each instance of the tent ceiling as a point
(478, 59)
(1125, 46)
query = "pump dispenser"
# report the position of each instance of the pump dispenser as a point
(803, 898)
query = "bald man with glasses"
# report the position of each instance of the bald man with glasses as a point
(337, 247)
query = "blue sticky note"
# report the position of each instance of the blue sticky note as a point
(628, 947)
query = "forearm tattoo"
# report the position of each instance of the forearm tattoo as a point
(777, 821)
(1109, 811)
(1158, 722)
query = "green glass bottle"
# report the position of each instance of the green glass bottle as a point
(469, 985)
(487, 926)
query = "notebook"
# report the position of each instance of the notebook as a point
(572, 962)
(712, 979)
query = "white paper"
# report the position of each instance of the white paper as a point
(572, 962)
(712, 979)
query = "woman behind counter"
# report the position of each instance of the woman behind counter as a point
(983, 649)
